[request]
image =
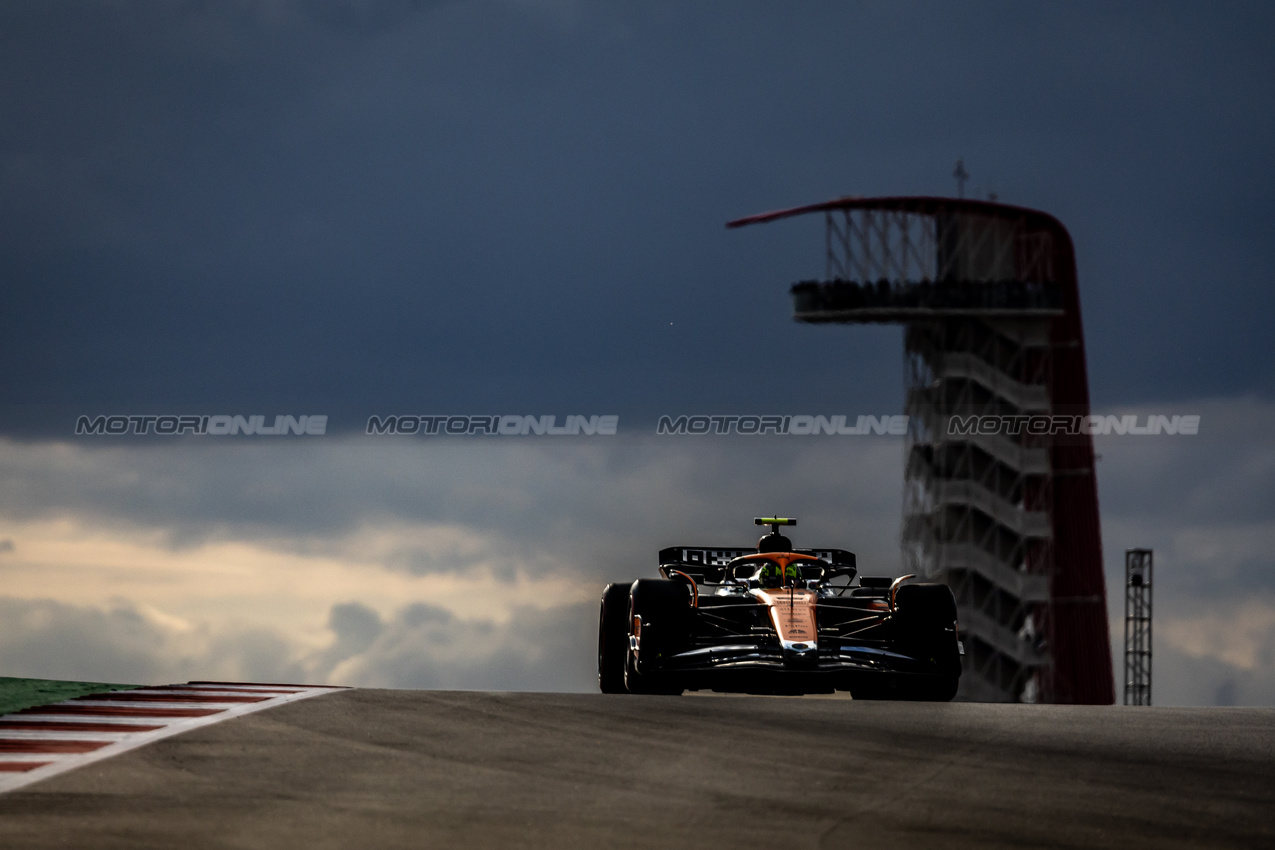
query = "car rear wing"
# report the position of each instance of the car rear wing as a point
(707, 565)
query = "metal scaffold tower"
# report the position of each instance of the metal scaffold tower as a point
(978, 513)
(1008, 519)
(1137, 626)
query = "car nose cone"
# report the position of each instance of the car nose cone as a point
(799, 655)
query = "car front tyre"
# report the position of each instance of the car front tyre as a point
(663, 609)
(925, 628)
(613, 639)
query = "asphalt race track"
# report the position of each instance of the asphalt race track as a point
(368, 768)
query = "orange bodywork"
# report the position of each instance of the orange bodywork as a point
(793, 613)
(792, 609)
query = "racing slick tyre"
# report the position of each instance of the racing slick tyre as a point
(659, 617)
(925, 628)
(613, 638)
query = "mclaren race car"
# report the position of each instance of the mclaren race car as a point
(777, 620)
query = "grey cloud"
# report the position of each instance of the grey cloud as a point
(249, 655)
(1202, 503)
(46, 639)
(52, 640)
(537, 650)
(420, 615)
(420, 646)
(354, 627)
(419, 561)
(1181, 679)
(1224, 474)
(600, 510)
(7, 545)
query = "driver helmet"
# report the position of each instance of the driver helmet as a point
(792, 575)
(771, 575)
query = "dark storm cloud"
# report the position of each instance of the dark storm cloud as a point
(484, 203)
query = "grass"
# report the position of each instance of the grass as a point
(17, 694)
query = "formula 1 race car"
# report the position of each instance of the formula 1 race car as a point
(777, 620)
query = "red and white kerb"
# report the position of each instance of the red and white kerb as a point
(37, 743)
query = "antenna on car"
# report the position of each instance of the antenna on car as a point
(774, 522)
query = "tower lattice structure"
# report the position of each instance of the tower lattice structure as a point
(988, 298)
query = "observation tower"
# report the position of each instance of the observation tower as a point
(1006, 516)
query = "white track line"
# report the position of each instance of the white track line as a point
(122, 742)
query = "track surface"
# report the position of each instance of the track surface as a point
(373, 768)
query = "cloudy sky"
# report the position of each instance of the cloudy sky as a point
(518, 207)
